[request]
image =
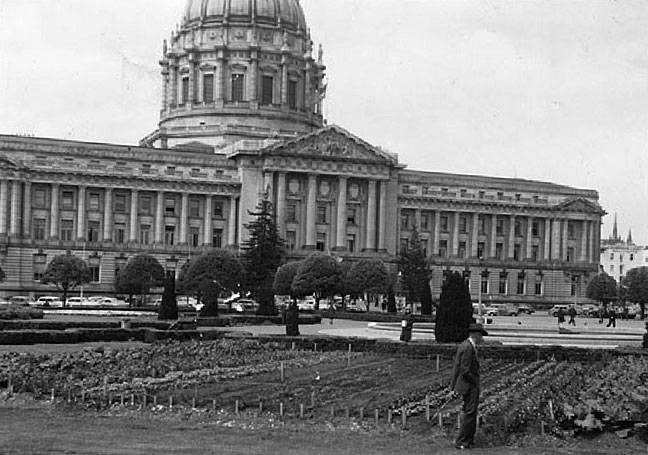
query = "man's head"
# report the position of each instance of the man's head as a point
(477, 332)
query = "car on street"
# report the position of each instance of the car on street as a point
(505, 309)
(523, 308)
(20, 300)
(110, 301)
(487, 310)
(76, 301)
(245, 306)
(589, 309)
(48, 301)
(306, 304)
(553, 311)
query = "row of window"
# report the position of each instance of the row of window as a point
(121, 204)
(321, 243)
(237, 90)
(66, 233)
(322, 214)
(521, 283)
(463, 192)
(631, 256)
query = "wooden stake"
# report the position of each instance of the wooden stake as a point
(542, 428)
(312, 400)
(301, 410)
(438, 363)
(458, 420)
(389, 416)
(361, 413)
(171, 402)
(52, 395)
(132, 399)
(281, 410)
(315, 347)
(427, 408)
(281, 368)
(440, 420)
(260, 406)
(376, 416)
(69, 397)
(236, 407)
(121, 399)
(349, 356)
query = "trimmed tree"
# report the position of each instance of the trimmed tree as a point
(66, 272)
(602, 288)
(391, 299)
(367, 277)
(454, 314)
(636, 285)
(219, 267)
(413, 268)
(141, 273)
(262, 255)
(283, 286)
(319, 275)
(210, 292)
(426, 299)
(169, 307)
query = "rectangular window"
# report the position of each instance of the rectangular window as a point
(571, 231)
(484, 282)
(499, 226)
(208, 88)
(570, 254)
(120, 203)
(351, 243)
(462, 250)
(169, 206)
(520, 283)
(185, 91)
(321, 241)
(217, 211)
(169, 235)
(94, 273)
(217, 238)
(482, 194)
(194, 208)
(425, 222)
(404, 244)
(39, 228)
(443, 248)
(145, 234)
(517, 252)
(518, 228)
(67, 227)
(404, 221)
(443, 223)
(611, 256)
(120, 233)
(40, 198)
(575, 285)
(146, 204)
(194, 236)
(534, 252)
(67, 200)
(267, 90)
(93, 231)
(503, 282)
(463, 224)
(538, 285)
(237, 87)
(535, 229)
(424, 247)
(481, 248)
(292, 95)
(39, 266)
(291, 212)
(351, 216)
(321, 213)
(291, 240)
(481, 224)
(611, 267)
(94, 202)
(499, 250)
(621, 270)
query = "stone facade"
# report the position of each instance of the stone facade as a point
(191, 184)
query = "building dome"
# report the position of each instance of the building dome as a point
(287, 12)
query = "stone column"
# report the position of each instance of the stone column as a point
(107, 225)
(14, 225)
(511, 239)
(219, 94)
(132, 236)
(173, 86)
(159, 218)
(311, 210)
(565, 239)
(268, 180)
(555, 239)
(284, 81)
(307, 87)
(437, 231)
(252, 75)
(340, 243)
(207, 228)
(474, 241)
(382, 215)
(493, 236)
(547, 240)
(184, 214)
(231, 223)
(529, 238)
(583, 247)
(4, 215)
(27, 210)
(165, 87)
(455, 235)
(54, 211)
(371, 216)
(192, 82)
(81, 212)
(281, 204)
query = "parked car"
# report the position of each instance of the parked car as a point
(20, 300)
(245, 306)
(553, 311)
(110, 301)
(76, 301)
(356, 306)
(487, 310)
(589, 309)
(525, 309)
(307, 304)
(505, 309)
(48, 301)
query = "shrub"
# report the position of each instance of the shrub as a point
(169, 305)
(20, 312)
(455, 310)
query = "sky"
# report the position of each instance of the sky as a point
(551, 90)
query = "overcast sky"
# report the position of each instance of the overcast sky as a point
(543, 90)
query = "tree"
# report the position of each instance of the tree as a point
(169, 306)
(426, 299)
(141, 273)
(636, 284)
(391, 299)
(367, 277)
(217, 266)
(320, 275)
(66, 272)
(413, 268)
(262, 255)
(602, 288)
(454, 314)
(210, 292)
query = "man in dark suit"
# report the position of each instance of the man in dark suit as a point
(465, 382)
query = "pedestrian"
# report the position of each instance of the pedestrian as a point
(601, 313)
(561, 318)
(465, 383)
(407, 326)
(572, 315)
(612, 318)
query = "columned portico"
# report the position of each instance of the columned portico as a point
(493, 236)
(437, 232)
(529, 239)
(547, 239)
(583, 245)
(231, 225)
(511, 237)
(184, 214)
(475, 236)
(340, 243)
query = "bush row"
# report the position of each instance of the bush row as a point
(253, 319)
(19, 312)
(375, 317)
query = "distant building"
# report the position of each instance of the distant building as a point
(241, 118)
(618, 256)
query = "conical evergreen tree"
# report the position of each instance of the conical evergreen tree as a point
(262, 255)
(426, 299)
(455, 310)
(413, 267)
(169, 306)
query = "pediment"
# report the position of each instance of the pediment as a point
(6, 163)
(331, 143)
(579, 205)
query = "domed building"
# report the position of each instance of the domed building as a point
(241, 120)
